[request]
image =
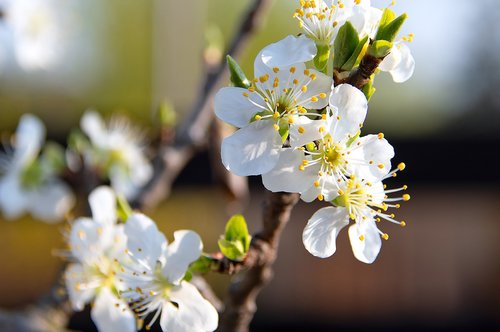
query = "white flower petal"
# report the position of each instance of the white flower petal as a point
(367, 249)
(233, 107)
(111, 314)
(13, 199)
(75, 278)
(305, 130)
(286, 176)
(30, 135)
(284, 53)
(350, 105)
(51, 201)
(185, 249)
(252, 150)
(144, 241)
(399, 63)
(94, 127)
(321, 231)
(102, 202)
(194, 313)
(377, 151)
(88, 240)
(321, 84)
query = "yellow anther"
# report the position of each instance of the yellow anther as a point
(276, 114)
(314, 99)
(385, 236)
(276, 127)
(340, 192)
(276, 70)
(320, 197)
(312, 77)
(401, 166)
(307, 72)
(263, 78)
(81, 235)
(245, 94)
(335, 23)
(403, 223)
(406, 197)
(301, 167)
(323, 116)
(295, 81)
(292, 69)
(316, 183)
(290, 120)
(321, 129)
(380, 136)
(303, 88)
(397, 206)
(381, 166)
(301, 130)
(405, 187)
(361, 237)
(251, 89)
(258, 117)
(305, 162)
(322, 95)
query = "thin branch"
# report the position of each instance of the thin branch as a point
(192, 134)
(240, 302)
(361, 75)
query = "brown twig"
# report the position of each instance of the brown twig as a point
(240, 302)
(192, 134)
(361, 75)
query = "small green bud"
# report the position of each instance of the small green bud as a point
(369, 89)
(236, 241)
(356, 56)
(167, 114)
(123, 209)
(77, 141)
(238, 77)
(345, 44)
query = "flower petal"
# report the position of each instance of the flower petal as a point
(322, 229)
(51, 201)
(305, 130)
(75, 278)
(94, 127)
(365, 241)
(252, 150)
(194, 313)
(350, 105)
(399, 63)
(185, 249)
(13, 199)
(322, 84)
(284, 53)
(286, 176)
(88, 240)
(30, 134)
(377, 154)
(145, 242)
(102, 201)
(233, 107)
(111, 314)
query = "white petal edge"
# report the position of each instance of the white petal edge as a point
(233, 107)
(365, 250)
(111, 314)
(185, 249)
(102, 201)
(321, 231)
(351, 106)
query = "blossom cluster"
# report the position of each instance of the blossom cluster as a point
(302, 133)
(130, 273)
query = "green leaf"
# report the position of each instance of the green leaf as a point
(284, 129)
(236, 241)
(201, 265)
(368, 89)
(322, 57)
(53, 155)
(123, 209)
(345, 44)
(390, 25)
(77, 141)
(380, 48)
(238, 77)
(356, 55)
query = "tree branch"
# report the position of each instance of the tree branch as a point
(240, 302)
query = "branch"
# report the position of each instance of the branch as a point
(240, 302)
(192, 134)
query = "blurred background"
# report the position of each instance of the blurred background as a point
(439, 273)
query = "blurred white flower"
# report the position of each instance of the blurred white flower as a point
(117, 151)
(29, 183)
(155, 278)
(365, 203)
(96, 246)
(37, 34)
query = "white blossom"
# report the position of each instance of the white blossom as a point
(97, 245)
(278, 100)
(365, 203)
(28, 183)
(117, 151)
(326, 152)
(155, 278)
